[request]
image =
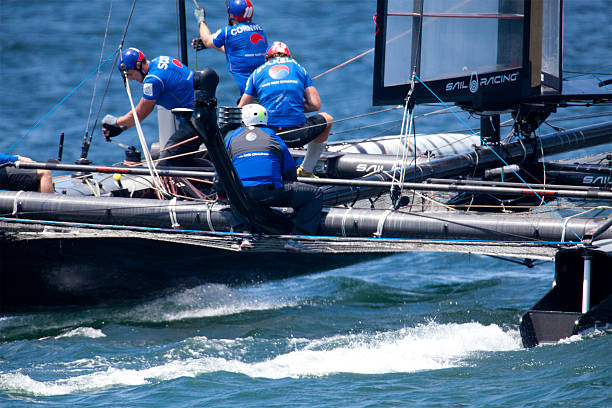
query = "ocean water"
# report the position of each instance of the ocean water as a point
(423, 330)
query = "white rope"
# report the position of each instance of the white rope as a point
(520, 140)
(406, 151)
(208, 216)
(381, 223)
(565, 221)
(408, 116)
(16, 203)
(343, 229)
(543, 171)
(95, 188)
(403, 144)
(143, 144)
(172, 211)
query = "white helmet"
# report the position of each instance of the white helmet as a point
(254, 114)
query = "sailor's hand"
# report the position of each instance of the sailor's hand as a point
(110, 127)
(24, 159)
(198, 44)
(200, 15)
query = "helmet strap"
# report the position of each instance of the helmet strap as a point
(139, 69)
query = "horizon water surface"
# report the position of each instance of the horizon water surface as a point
(415, 329)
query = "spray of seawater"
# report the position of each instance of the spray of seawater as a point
(425, 347)
(205, 301)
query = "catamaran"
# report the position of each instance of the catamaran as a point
(472, 192)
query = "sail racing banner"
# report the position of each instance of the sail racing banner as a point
(482, 54)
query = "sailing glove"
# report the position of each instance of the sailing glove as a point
(200, 15)
(198, 44)
(110, 127)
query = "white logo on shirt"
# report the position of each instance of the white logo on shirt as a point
(147, 89)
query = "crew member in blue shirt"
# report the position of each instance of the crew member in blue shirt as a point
(167, 82)
(267, 170)
(243, 42)
(15, 179)
(285, 89)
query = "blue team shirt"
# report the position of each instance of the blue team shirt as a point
(169, 82)
(279, 84)
(245, 49)
(7, 158)
(259, 159)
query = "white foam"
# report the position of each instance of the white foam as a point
(220, 310)
(427, 347)
(206, 301)
(83, 332)
(586, 334)
(567, 340)
(23, 384)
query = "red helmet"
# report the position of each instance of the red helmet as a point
(242, 10)
(278, 47)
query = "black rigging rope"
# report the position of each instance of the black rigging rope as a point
(110, 76)
(93, 97)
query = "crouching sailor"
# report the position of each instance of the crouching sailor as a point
(268, 172)
(167, 82)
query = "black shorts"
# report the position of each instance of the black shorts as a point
(298, 136)
(18, 179)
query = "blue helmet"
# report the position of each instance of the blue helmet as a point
(242, 10)
(129, 58)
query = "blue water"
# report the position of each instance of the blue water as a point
(406, 330)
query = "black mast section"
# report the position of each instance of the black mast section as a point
(182, 32)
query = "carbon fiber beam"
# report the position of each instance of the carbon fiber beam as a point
(462, 164)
